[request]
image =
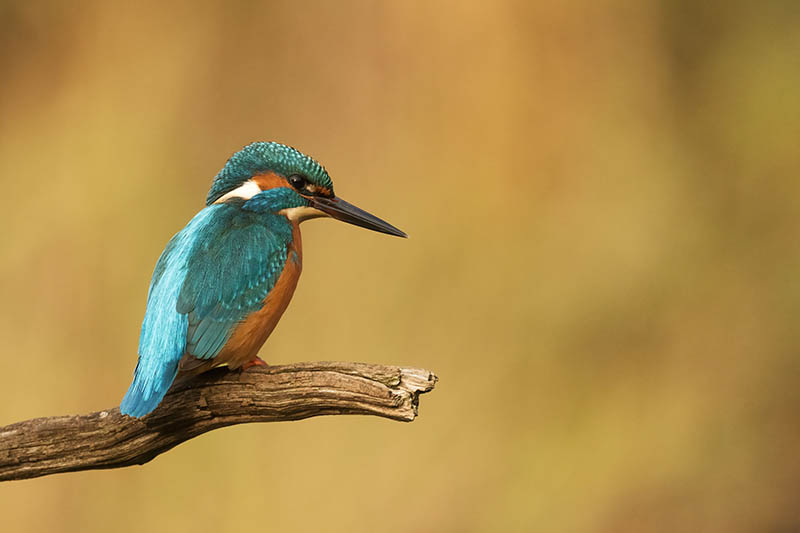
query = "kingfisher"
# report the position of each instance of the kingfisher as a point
(223, 282)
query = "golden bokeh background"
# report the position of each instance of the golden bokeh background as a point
(603, 267)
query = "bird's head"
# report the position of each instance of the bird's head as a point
(308, 190)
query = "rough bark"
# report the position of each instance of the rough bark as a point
(108, 439)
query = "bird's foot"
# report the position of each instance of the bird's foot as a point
(257, 361)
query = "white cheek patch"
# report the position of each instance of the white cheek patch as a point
(246, 190)
(299, 214)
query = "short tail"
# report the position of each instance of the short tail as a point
(150, 384)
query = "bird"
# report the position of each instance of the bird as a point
(223, 282)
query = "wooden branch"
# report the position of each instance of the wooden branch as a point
(219, 398)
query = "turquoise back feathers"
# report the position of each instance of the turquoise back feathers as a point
(261, 157)
(210, 277)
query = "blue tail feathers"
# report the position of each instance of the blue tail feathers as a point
(148, 389)
(162, 341)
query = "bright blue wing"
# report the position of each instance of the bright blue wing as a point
(229, 275)
(211, 276)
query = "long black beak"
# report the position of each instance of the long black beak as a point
(341, 210)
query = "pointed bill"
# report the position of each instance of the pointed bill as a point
(347, 212)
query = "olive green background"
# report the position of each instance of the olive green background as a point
(603, 204)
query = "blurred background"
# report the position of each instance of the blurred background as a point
(603, 265)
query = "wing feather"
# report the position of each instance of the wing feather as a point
(210, 277)
(229, 276)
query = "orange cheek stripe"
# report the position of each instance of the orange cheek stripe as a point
(270, 181)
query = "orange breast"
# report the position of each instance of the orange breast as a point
(251, 334)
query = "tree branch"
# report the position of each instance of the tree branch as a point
(216, 399)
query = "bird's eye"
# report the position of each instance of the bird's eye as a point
(298, 182)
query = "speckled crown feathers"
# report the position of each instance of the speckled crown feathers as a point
(260, 157)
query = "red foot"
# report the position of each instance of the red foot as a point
(255, 362)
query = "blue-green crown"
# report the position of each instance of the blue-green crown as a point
(261, 157)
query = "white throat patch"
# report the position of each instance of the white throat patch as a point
(299, 214)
